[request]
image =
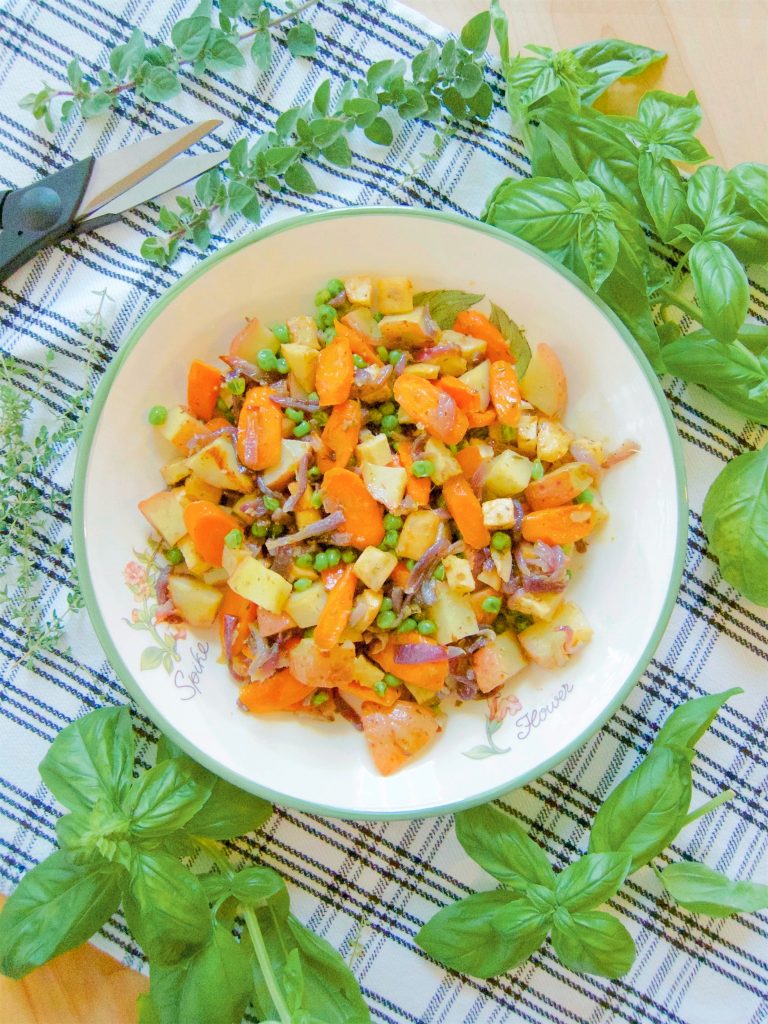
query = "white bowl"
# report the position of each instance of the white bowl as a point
(627, 585)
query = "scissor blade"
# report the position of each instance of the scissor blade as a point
(116, 172)
(171, 176)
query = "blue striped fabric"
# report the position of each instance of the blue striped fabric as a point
(367, 888)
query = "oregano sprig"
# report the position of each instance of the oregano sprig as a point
(208, 40)
(442, 86)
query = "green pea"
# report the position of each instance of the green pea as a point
(223, 409)
(374, 416)
(325, 315)
(282, 366)
(321, 561)
(394, 356)
(318, 698)
(508, 433)
(392, 522)
(359, 362)
(378, 317)
(423, 467)
(390, 680)
(276, 530)
(499, 624)
(301, 429)
(386, 620)
(321, 297)
(387, 408)
(236, 386)
(157, 415)
(538, 470)
(410, 562)
(259, 530)
(380, 687)
(519, 622)
(320, 418)
(271, 504)
(302, 583)
(492, 605)
(386, 604)
(317, 499)
(382, 353)
(266, 360)
(328, 334)
(500, 541)
(426, 628)
(234, 539)
(349, 556)
(407, 625)
(334, 286)
(333, 555)
(314, 473)
(391, 538)
(585, 498)
(304, 561)
(439, 573)
(313, 397)
(294, 414)
(281, 332)
(389, 423)
(174, 556)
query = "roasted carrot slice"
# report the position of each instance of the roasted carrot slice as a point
(203, 383)
(335, 615)
(481, 419)
(463, 395)
(387, 699)
(469, 459)
(401, 574)
(278, 693)
(395, 735)
(335, 372)
(418, 488)
(341, 434)
(429, 675)
(241, 609)
(259, 430)
(560, 486)
(363, 516)
(505, 393)
(426, 404)
(563, 525)
(477, 324)
(467, 511)
(358, 343)
(208, 524)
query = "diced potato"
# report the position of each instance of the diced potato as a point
(407, 330)
(498, 662)
(362, 320)
(479, 378)
(302, 361)
(509, 474)
(504, 563)
(196, 602)
(458, 574)
(366, 673)
(174, 472)
(374, 567)
(550, 644)
(305, 607)
(527, 431)
(453, 615)
(164, 512)
(374, 449)
(490, 577)
(303, 331)
(231, 558)
(180, 426)
(600, 511)
(216, 576)
(559, 487)
(217, 465)
(196, 565)
(364, 611)
(539, 606)
(306, 516)
(552, 441)
(419, 693)
(254, 581)
(446, 465)
(395, 295)
(198, 490)
(470, 348)
(544, 384)
(395, 735)
(359, 290)
(251, 339)
(588, 447)
(314, 667)
(419, 532)
(499, 513)
(291, 452)
(385, 483)
(427, 371)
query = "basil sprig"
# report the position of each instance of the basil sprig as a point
(491, 932)
(125, 842)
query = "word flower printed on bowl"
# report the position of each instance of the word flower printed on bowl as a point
(380, 505)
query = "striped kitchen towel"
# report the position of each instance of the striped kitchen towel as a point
(368, 887)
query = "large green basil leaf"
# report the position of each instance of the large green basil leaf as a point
(56, 906)
(598, 240)
(541, 211)
(730, 372)
(749, 238)
(212, 986)
(704, 891)
(593, 943)
(591, 880)
(446, 304)
(502, 846)
(165, 906)
(164, 799)
(711, 194)
(721, 287)
(735, 520)
(485, 934)
(512, 334)
(91, 758)
(665, 112)
(646, 810)
(685, 726)
(751, 183)
(611, 59)
(664, 192)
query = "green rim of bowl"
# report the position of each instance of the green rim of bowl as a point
(142, 698)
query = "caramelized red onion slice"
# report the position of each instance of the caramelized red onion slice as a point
(624, 451)
(198, 441)
(569, 646)
(326, 525)
(419, 654)
(287, 402)
(230, 626)
(302, 479)
(437, 350)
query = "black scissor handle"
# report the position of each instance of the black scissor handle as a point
(39, 214)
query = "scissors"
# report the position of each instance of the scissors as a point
(96, 191)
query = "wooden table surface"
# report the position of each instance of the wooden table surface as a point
(718, 48)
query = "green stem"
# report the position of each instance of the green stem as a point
(260, 949)
(675, 299)
(710, 805)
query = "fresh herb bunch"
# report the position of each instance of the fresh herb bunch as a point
(491, 932)
(31, 500)
(215, 940)
(205, 41)
(608, 201)
(441, 85)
